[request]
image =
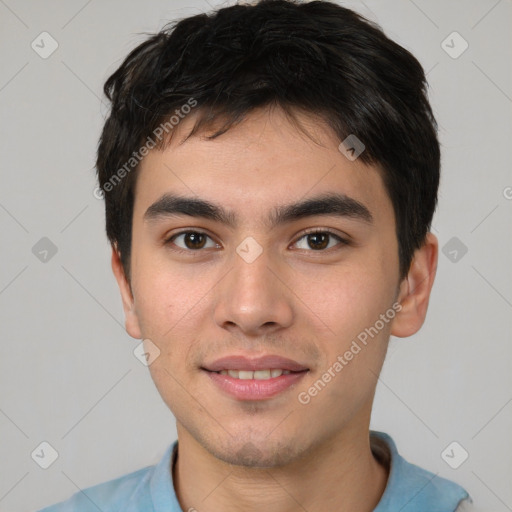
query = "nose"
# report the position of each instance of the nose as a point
(254, 298)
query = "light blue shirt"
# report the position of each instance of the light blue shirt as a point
(409, 489)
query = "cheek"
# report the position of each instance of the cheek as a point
(172, 306)
(351, 307)
(167, 304)
(346, 300)
(167, 297)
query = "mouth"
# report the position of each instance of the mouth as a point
(254, 379)
(242, 363)
(270, 373)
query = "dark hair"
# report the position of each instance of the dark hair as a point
(316, 57)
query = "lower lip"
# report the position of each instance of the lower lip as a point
(253, 389)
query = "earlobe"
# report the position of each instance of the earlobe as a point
(415, 289)
(131, 319)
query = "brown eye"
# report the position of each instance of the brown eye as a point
(319, 240)
(192, 240)
(195, 240)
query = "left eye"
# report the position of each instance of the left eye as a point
(319, 240)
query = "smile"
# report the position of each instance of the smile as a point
(258, 374)
(256, 385)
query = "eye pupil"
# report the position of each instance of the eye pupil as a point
(320, 240)
(194, 240)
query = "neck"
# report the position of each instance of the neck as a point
(341, 474)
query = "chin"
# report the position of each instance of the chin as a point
(256, 454)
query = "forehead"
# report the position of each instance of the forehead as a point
(264, 161)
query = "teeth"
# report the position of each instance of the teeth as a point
(258, 374)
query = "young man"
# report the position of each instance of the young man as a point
(270, 173)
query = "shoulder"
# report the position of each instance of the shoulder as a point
(412, 488)
(108, 496)
(430, 489)
(147, 489)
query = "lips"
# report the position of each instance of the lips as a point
(254, 389)
(246, 364)
(258, 374)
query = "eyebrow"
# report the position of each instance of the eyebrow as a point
(335, 204)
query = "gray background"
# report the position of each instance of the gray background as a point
(68, 375)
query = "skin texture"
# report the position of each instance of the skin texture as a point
(294, 301)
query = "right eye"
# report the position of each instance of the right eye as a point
(190, 241)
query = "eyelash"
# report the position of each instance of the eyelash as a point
(170, 240)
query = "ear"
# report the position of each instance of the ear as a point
(130, 314)
(415, 289)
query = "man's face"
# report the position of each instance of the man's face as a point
(260, 288)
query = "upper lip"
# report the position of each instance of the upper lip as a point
(254, 363)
